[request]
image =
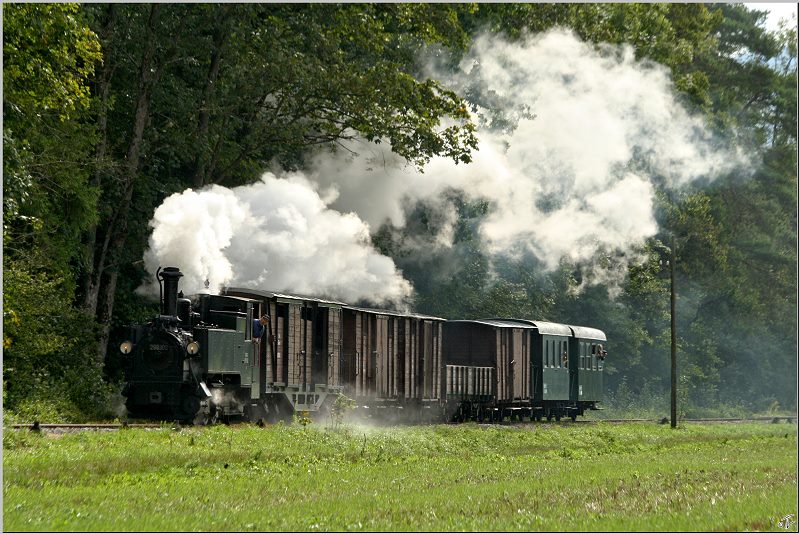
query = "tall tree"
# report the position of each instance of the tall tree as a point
(215, 93)
(49, 53)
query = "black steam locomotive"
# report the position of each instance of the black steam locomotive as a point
(198, 362)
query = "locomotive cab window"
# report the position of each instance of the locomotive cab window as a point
(248, 324)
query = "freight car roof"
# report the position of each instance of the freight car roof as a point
(395, 313)
(550, 329)
(270, 294)
(585, 332)
(498, 323)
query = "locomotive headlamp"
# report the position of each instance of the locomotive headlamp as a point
(193, 348)
(126, 347)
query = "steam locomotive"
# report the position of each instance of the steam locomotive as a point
(198, 362)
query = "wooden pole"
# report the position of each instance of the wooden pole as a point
(673, 339)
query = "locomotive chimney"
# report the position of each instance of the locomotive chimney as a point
(169, 304)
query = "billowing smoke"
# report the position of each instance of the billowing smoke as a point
(277, 234)
(573, 143)
(570, 169)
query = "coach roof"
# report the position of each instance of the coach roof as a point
(394, 313)
(550, 329)
(254, 293)
(496, 323)
(584, 332)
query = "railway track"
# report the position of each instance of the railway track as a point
(791, 419)
(60, 428)
(73, 427)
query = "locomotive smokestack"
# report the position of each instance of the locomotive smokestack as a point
(169, 304)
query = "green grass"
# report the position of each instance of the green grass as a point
(599, 477)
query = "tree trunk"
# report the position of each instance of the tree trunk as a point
(90, 283)
(201, 156)
(116, 232)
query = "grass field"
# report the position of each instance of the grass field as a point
(593, 477)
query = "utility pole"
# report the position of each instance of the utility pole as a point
(673, 338)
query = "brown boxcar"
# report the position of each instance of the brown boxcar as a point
(300, 356)
(501, 345)
(391, 358)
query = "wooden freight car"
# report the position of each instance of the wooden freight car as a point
(299, 358)
(392, 363)
(488, 368)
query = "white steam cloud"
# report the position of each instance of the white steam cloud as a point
(277, 234)
(575, 178)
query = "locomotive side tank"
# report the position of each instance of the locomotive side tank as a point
(226, 356)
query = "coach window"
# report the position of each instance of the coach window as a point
(555, 359)
(546, 354)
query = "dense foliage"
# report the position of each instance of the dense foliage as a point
(108, 108)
